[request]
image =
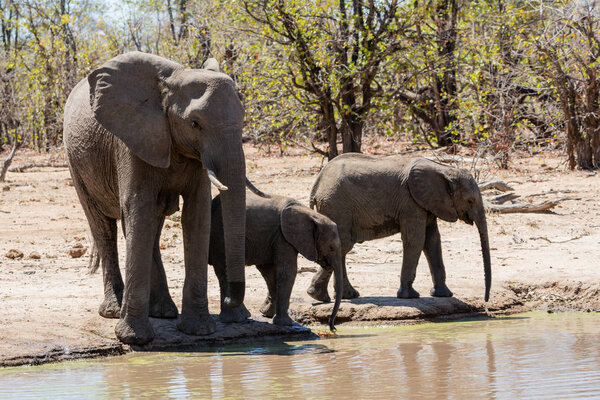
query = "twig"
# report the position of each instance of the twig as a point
(557, 241)
(21, 168)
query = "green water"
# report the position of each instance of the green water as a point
(528, 356)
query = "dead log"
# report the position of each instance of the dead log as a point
(498, 185)
(21, 168)
(7, 162)
(502, 198)
(521, 207)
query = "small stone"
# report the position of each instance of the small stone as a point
(14, 254)
(77, 250)
(29, 272)
(5, 188)
(34, 255)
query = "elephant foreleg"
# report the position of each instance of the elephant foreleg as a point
(161, 303)
(195, 221)
(433, 252)
(269, 274)
(286, 266)
(413, 241)
(140, 227)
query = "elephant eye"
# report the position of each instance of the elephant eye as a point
(195, 124)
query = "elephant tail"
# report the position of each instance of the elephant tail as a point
(313, 194)
(94, 262)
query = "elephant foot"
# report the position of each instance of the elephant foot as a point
(409, 293)
(163, 308)
(134, 331)
(319, 294)
(110, 308)
(283, 320)
(268, 308)
(349, 292)
(440, 291)
(237, 314)
(197, 325)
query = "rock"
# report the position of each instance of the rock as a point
(77, 250)
(14, 254)
(34, 255)
(5, 188)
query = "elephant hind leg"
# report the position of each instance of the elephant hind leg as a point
(269, 274)
(104, 233)
(318, 285)
(161, 303)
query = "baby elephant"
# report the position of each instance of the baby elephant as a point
(277, 229)
(374, 197)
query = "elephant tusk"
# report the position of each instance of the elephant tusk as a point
(255, 190)
(215, 181)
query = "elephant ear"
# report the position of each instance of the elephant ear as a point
(431, 189)
(211, 64)
(125, 96)
(299, 229)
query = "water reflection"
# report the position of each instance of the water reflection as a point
(539, 356)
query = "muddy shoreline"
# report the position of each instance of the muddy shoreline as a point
(550, 297)
(48, 300)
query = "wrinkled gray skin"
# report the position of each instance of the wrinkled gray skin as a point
(277, 229)
(373, 197)
(140, 132)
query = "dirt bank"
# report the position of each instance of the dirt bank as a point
(48, 303)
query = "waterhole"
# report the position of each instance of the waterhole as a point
(527, 356)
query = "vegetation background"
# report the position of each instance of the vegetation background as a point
(491, 75)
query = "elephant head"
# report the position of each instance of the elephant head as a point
(166, 114)
(315, 237)
(451, 194)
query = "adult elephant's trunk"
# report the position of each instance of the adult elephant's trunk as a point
(481, 223)
(339, 287)
(231, 173)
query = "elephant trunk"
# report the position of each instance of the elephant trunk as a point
(339, 287)
(481, 223)
(232, 174)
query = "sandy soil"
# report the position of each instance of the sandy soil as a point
(48, 305)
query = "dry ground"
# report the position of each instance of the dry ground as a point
(48, 306)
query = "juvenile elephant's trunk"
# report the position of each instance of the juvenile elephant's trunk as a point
(481, 223)
(339, 287)
(232, 173)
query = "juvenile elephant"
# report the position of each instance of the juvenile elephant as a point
(373, 197)
(140, 132)
(277, 229)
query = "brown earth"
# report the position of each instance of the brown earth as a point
(48, 300)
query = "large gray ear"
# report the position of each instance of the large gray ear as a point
(211, 64)
(299, 230)
(126, 99)
(431, 189)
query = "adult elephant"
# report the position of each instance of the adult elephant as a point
(373, 197)
(140, 132)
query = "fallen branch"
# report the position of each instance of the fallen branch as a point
(521, 207)
(7, 162)
(498, 185)
(21, 168)
(502, 198)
